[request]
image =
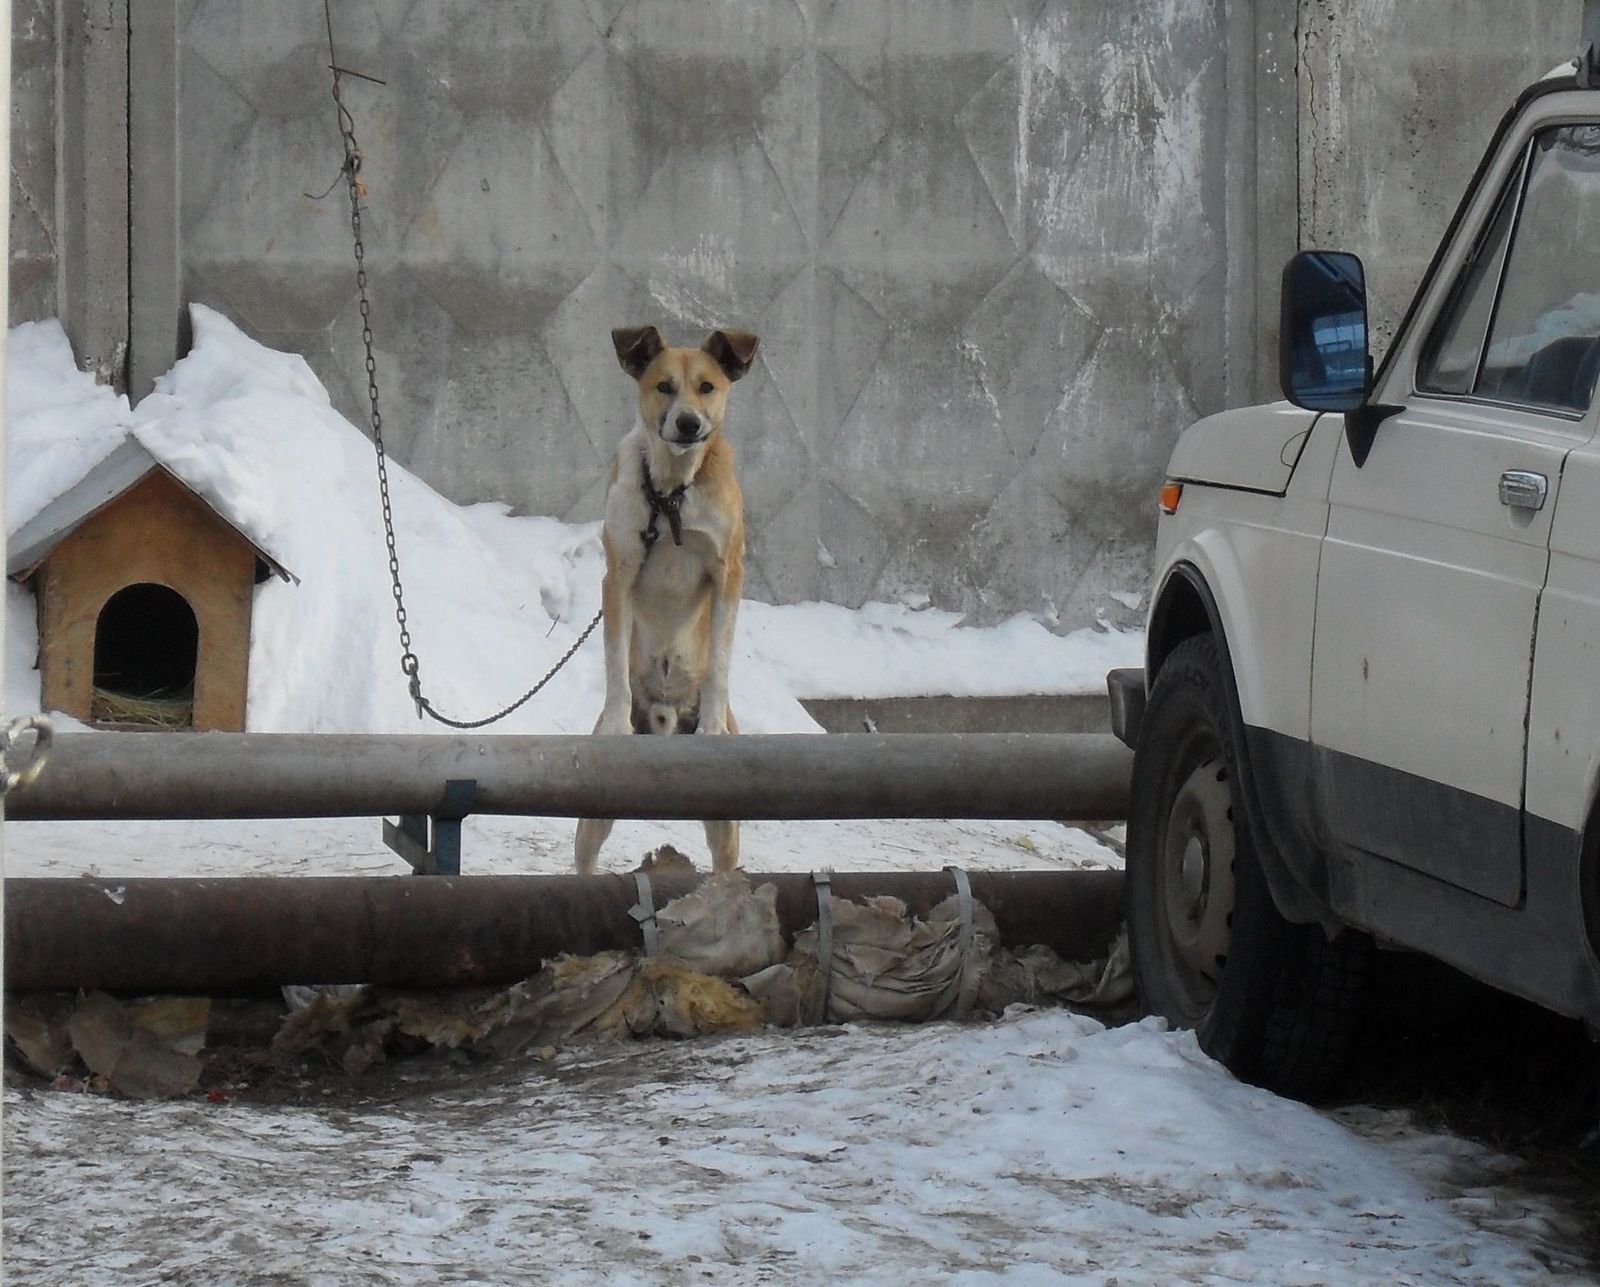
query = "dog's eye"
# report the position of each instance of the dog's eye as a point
(706, 386)
(666, 387)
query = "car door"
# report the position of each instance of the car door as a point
(1437, 546)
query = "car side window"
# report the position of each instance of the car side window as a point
(1524, 325)
(1450, 359)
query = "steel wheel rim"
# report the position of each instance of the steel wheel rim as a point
(1197, 879)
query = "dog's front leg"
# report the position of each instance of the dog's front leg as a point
(714, 716)
(616, 716)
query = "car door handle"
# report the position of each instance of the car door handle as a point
(1523, 489)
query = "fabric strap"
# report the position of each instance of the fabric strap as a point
(822, 881)
(969, 978)
(644, 912)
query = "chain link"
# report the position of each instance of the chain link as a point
(409, 664)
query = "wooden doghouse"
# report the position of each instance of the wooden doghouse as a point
(144, 593)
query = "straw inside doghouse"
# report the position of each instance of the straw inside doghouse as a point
(174, 710)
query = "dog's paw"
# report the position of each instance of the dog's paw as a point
(712, 727)
(614, 722)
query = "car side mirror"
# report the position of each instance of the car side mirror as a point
(1323, 359)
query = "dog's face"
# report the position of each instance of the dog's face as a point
(683, 393)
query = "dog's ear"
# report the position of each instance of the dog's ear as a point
(733, 351)
(636, 347)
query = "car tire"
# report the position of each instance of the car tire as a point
(1279, 1004)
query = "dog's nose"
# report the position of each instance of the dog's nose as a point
(688, 425)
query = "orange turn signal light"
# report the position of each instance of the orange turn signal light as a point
(1171, 494)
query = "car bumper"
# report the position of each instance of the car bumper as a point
(1126, 688)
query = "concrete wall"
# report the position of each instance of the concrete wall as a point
(1397, 102)
(999, 253)
(34, 72)
(983, 244)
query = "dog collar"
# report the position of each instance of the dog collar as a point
(669, 504)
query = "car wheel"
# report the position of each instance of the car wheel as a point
(1278, 1003)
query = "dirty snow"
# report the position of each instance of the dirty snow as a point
(1045, 1148)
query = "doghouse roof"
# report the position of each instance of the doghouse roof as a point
(125, 467)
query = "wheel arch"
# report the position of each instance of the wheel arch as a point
(1186, 606)
(1205, 590)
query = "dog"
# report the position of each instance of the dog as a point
(674, 546)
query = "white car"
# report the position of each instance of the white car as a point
(1370, 709)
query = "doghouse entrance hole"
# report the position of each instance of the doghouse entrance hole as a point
(146, 644)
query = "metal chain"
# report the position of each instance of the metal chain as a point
(409, 664)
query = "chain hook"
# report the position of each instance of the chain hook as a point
(44, 733)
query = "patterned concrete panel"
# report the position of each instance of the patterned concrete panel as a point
(492, 59)
(577, 335)
(1053, 582)
(774, 460)
(213, 153)
(1086, 454)
(730, 218)
(783, 559)
(603, 129)
(714, 59)
(924, 426)
(789, 356)
(848, 348)
(854, 127)
(503, 426)
(788, 127)
(852, 547)
(922, 216)
(898, 197)
(412, 349)
(502, 238)
(919, 60)
(276, 55)
(1025, 370)
(273, 259)
(1123, 161)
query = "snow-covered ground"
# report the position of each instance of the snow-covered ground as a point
(1045, 1147)
(1041, 1149)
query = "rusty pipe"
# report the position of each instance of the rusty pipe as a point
(1071, 777)
(252, 934)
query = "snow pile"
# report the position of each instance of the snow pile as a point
(493, 600)
(60, 423)
(1046, 1148)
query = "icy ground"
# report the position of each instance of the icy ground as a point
(1044, 1148)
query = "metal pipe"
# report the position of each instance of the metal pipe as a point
(252, 934)
(1078, 776)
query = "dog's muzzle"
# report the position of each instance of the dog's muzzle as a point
(690, 429)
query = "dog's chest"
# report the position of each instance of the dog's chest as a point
(674, 576)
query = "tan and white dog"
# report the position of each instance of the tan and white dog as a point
(674, 545)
